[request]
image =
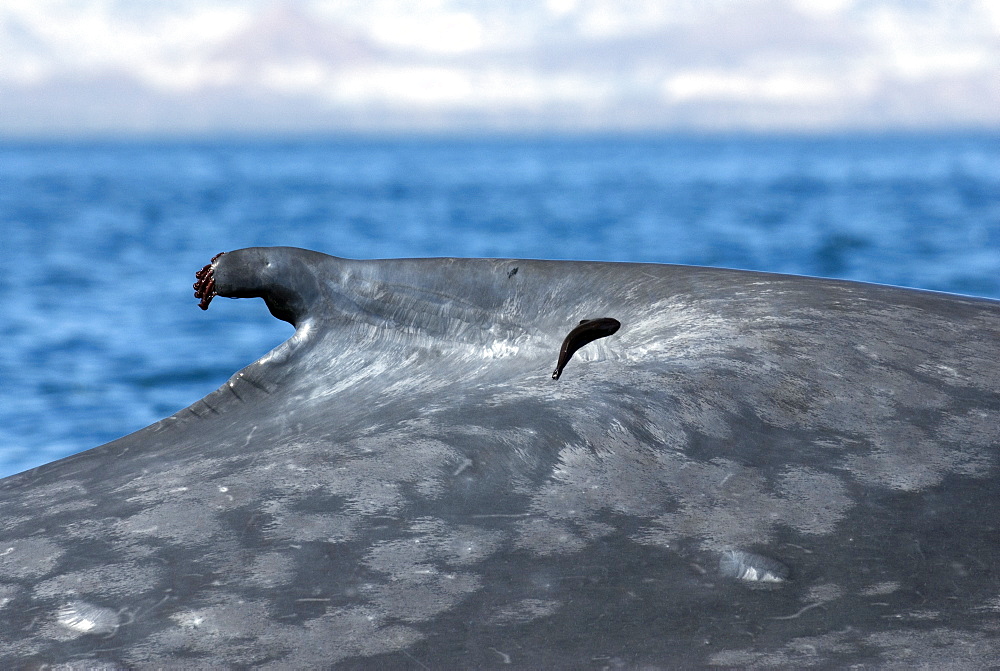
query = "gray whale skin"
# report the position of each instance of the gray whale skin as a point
(756, 470)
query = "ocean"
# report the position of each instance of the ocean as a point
(100, 240)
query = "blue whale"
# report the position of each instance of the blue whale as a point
(749, 470)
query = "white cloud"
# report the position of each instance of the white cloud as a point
(561, 7)
(606, 19)
(461, 88)
(991, 10)
(802, 62)
(932, 44)
(428, 86)
(823, 7)
(446, 33)
(781, 87)
(302, 77)
(181, 77)
(89, 36)
(202, 26)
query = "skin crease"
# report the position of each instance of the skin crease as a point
(586, 332)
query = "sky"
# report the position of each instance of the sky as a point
(203, 67)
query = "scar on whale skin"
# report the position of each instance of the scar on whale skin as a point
(586, 332)
(204, 287)
(750, 567)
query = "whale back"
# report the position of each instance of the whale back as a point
(753, 469)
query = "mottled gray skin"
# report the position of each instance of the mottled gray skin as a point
(755, 470)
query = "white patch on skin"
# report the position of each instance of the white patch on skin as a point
(184, 522)
(86, 618)
(189, 620)
(751, 567)
(7, 594)
(881, 588)
(547, 538)
(28, 558)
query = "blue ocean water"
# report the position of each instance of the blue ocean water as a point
(101, 335)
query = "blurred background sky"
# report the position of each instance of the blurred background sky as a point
(205, 67)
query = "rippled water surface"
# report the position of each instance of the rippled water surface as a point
(101, 335)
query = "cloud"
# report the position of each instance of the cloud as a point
(222, 65)
(770, 87)
(448, 33)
